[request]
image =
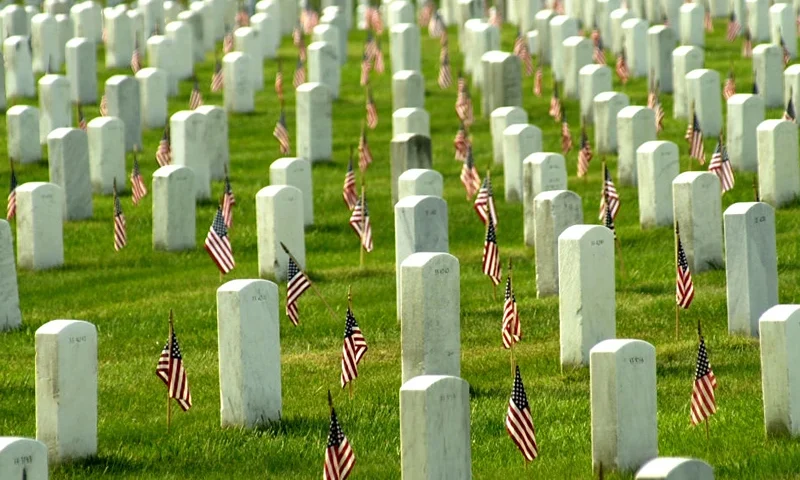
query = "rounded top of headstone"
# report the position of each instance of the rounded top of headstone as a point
(289, 162)
(552, 195)
(320, 46)
(398, 4)
(244, 32)
(700, 72)
(545, 14)
(418, 174)
(407, 137)
(743, 208)
(58, 327)
(9, 9)
(776, 124)
(116, 12)
(415, 201)
(186, 14)
(158, 40)
(688, 7)
(197, 6)
(634, 23)
(779, 7)
(424, 382)
(119, 80)
(151, 72)
(79, 42)
(495, 56)
(174, 171)
(103, 122)
(243, 285)
(691, 177)
(792, 70)
(656, 29)
(185, 116)
(653, 146)
(502, 112)
(431, 260)
(176, 25)
(593, 68)
(609, 96)
(634, 111)
(321, 28)
(259, 17)
(519, 129)
(286, 192)
(766, 48)
(39, 188)
(234, 57)
(619, 345)
(5, 442)
(403, 27)
(14, 40)
(574, 41)
(313, 87)
(539, 158)
(43, 17)
(52, 79)
(578, 232)
(472, 23)
(22, 110)
(64, 133)
(407, 112)
(781, 313)
(684, 50)
(620, 13)
(406, 74)
(742, 98)
(211, 110)
(672, 467)
(558, 20)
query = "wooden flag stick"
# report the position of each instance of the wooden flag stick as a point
(677, 307)
(313, 287)
(169, 371)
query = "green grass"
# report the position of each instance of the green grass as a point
(127, 295)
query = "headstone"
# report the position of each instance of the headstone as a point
(153, 14)
(87, 21)
(420, 225)
(195, 20)
(171, 11)
(400, 12)
(624, 410)
(64, 29)
(576, 52)
(704, 92)
(173, 208)
(323, 67)
(420, 181)
(554, 212)
(602, 18)
(411, 120)
(532, 38)
(635, 126)
(66, 389)
(783, 18)
(768, 67)
(672, 13)
(758, 19)
(119, 42)
(542, 21)
(684, 60)
(592, 80)
(314, 121)
(18, 68)
(745, 113)
(502, 81)
(54, 105)
(541, 172)
(485, 38)
(405, 47)
(408, 151)
(22, 125)
(335, 16)
(617, 18)
(586, 291)
(266, 27)
(10, 315)
(430, 314)
(561, 28)
(81, 59)
(635, 32)
(527, 16)
(216, 140)
(658, 163)
(661, 42)
(182, 37)
(44, 40)
(106, 137)
(54, 7)
(153, 96)
(606, 107)
(791, 84)
(40, 213)
(187, 130)
(434, 428)
(239, 96)
(500, 119)
(122, 96)
(249, 353)
(692, 29)
(161, 54)
(697, 210)
(15, 21)
(674, 468)
(207, 20)
(23, 457)
(68, 157)
(279, 218)
(466, 38)
(328, 34)
(519, 141)
(780, 331)
(408, 90)
(297, 173)
(778, 166)
(246, 41)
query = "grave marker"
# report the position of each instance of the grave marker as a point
(705, 93)
(606, 107)
(684, 60)
(780, 331)
(18, 68)
(44, 40)
(502, 81)
(768, 67)
(10, 315)
(187, 133)
(778, 166)
(692, 16)
(297, 173)
(745, 113)
(22, 125)
(238, 94)
(408, 151)
(68, 157)
(657, 166)
(554, 212)
(673, 468)
(411, 120)
(216, 139)
(661, 42)
(314, 122)
(106, 139)
(408, 90)
(182, 37)
(635, 32)
(54, 105)
(405, 47)
(697, 210)
(635, 126)
(500, 119)
(173, 208)
(81, 57)
(577, 53)
(246, 41)
(23, 457)
(420, 181)
(561, 28)
(279, 219)
(593, 80)
(541, 172)
(122, 96)
(119, 42)
(519, 141)
(323, 67)
(153, 96)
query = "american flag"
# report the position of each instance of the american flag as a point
(227, 42)
(376, 21)
(372, 111)
(521, 50)
(359, 221)
(786, 55)
(366, 66)
(496, 16)
(734, 27)
(747, 44)
(708, 23)
(608, 221)
(684, 288)
(696, 148)
(164, 151)
(81, 119)
(299, 74)
(364, 152)
(558, 7)
(196, 97)
(11, 208)
(355, 346)
(120, 226)
(425, 14)
(555, 104)
(218, 245)
(297, 284)
(282, 134)
(349, 189)
(136, 58)
(461, 143)
(659, 114)
(519, 422)
(584, 154)
(310, 19)
(609, 196)
(566, 136)
(704, 402)
(339, 456)
(279, 82)
(720, 165)
(217, 81)
(228, 201)
(491, 256)
(622, 68)
(537, 82)
(242, 18)
(512, 330)
(652, 92)
(297, 34)
(469, 175)
(789, 114)
(139, 190)
(484, 202)
(599, 54)
(103, 106)
(445, 78)
(378, 62)
(464, 108)
(436, 25)
(171, 371)
(730, 86)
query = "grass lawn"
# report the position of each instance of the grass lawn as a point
(127, 295)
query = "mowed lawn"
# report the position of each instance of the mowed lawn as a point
(127, 295)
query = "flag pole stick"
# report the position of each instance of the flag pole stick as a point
(363, 223)
(313, 287)
(511, 280)
(677, 307)
(169, 372)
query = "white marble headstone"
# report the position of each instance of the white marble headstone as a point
(10, 315)
(697, 210)
(173, 208)
(658, 163)
(780, 369)
(297, 173)
(106, 136)
(279, 218)
(554, 212)
(68, 158)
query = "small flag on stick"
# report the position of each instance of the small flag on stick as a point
(339, 456)
(171, 371)
(120, 226)
(138, 188)
(353, 349)
(218, 244)
(11, 208)
(297, 284)
(491, 255)
(281, 133)
(519, 423)
(704, 401)
(720, 165)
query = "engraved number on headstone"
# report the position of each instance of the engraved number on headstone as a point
(597, 243)
(259, 298)
(430, 212)
(80, 339)
(760, 219)
(441, 271)
(636, 360)
(26, 459)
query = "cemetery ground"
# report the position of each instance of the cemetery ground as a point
(128, 296)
